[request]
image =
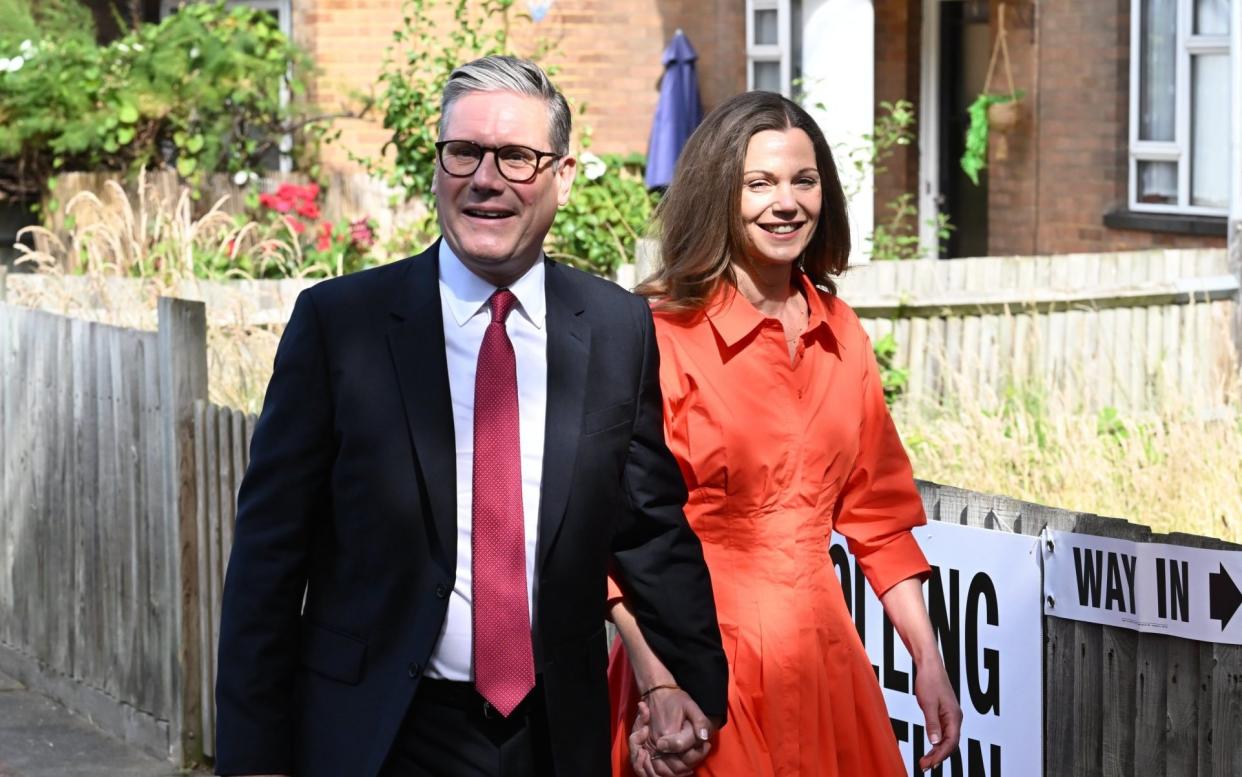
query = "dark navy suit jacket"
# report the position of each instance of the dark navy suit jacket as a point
(345, 545)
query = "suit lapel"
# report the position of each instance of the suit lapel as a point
(569, 351)
(416, 343)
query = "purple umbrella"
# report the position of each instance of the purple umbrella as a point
(677, 113)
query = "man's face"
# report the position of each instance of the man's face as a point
(496, 227)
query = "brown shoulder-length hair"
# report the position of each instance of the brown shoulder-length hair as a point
(699, 221)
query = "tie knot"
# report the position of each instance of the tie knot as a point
(502, 302)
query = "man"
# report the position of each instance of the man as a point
(453, 452)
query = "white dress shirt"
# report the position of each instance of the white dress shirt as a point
(463, 304)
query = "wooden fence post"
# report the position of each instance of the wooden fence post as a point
(183, 379)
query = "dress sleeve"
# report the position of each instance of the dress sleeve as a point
(879, 503)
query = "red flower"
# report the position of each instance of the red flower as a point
(295, 225)
(308, 210)
(275, 202)
(324, 241)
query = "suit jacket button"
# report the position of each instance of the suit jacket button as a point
(414, 669)
(441, 590)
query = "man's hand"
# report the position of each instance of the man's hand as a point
(671, 735)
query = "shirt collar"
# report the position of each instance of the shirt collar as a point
(466, 294)
(734, 317)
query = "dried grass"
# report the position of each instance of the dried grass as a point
(126, 255)
(1177, 469)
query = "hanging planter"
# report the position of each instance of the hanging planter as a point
(1001, 112)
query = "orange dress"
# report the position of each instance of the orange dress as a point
(776, 453)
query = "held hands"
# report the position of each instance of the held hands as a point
(942, 713)
(671, 735)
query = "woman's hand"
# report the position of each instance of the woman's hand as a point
(903, 603)
(647, 759)
(941, 713)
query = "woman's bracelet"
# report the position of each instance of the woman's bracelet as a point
(662, 687)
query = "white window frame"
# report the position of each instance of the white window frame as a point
(1178, 150)
(781, 53)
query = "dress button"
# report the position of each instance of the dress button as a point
(441, 590)
(414, 669)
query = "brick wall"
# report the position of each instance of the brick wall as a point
(1067, 160)
(898, 47)
(608, 52)
(1068, 166)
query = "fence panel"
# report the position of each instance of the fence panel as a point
(88, 605)
(1117, 702)
(1131, 330)
(221, 451)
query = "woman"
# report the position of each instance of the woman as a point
(775, 410)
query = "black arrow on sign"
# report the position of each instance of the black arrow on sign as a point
(1224, 597)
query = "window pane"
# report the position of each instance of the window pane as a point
(1157, 183)
(768, 76)
(1211, 17)
(765, 28)
(1209, 130)
(1157, 70)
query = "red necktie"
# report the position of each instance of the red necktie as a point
(504, 665)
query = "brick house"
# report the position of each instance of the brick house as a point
(1115, 150)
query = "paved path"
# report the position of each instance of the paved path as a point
(39, 738)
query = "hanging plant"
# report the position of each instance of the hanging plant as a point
(991, 110)
(975, 157)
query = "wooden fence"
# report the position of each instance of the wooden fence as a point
(1128, 330)
(95, 473)
(117, 493)
(1132, 330)
(221, 453)
(1119, 703)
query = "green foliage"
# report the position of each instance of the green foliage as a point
(896, 237)
(609, 207)
(607, 212)
(424, 52)
(975, 158)
(893, 378)
(200, 91)
(1111, 426)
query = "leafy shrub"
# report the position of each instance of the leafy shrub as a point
(607, 212)
(201, 91)
(893, 378)
(610, 206)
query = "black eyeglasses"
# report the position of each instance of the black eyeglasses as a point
(517, 164)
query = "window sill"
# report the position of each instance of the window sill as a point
(1204, 226)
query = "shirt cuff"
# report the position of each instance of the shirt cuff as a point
(899, 559)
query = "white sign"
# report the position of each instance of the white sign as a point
(983, 598)
(1160, 589)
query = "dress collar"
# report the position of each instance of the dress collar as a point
(734, 317)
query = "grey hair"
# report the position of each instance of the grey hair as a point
(510, 74)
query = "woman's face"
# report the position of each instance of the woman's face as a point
(781, 196)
